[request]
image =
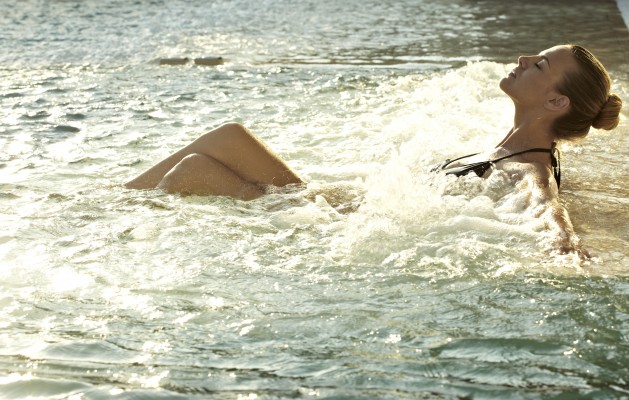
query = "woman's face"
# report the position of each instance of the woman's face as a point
(533, 82)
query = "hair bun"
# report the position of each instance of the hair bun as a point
(609, 116)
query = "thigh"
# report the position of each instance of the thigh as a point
(233, 146)
(243, 153)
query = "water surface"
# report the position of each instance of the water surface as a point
(433, 288)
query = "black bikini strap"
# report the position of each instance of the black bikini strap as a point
(555, 162)
(534, 150)
(450, 161)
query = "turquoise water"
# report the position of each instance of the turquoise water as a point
(433, 288)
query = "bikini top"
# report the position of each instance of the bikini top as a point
(479, 168)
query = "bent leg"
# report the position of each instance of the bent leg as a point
(233, 146)
(203, 175)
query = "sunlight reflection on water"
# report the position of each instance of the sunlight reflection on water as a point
(433, 286)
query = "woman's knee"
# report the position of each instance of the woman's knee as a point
(179, 177)
(234, 127)
(190, 162)
(229, 133)
(203, 175)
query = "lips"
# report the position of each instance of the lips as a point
(512, 73)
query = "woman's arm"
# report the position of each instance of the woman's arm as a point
(545, 204)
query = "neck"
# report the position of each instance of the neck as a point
(529, 131)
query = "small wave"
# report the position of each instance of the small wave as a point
(67, 129)
(75, 116)
(36, 116)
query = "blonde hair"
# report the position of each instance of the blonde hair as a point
(591, 104)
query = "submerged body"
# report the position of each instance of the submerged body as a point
(435, 287)
(231, 161)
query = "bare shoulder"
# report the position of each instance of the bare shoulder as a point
(537, 182)
(535, 177)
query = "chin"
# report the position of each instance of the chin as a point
(504, 85)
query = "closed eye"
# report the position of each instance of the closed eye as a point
(537, 65)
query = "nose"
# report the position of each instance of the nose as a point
(522, 62)
(525, 61)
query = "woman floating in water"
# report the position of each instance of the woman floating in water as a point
(558, 95)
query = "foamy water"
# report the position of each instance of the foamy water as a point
(380, 280)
